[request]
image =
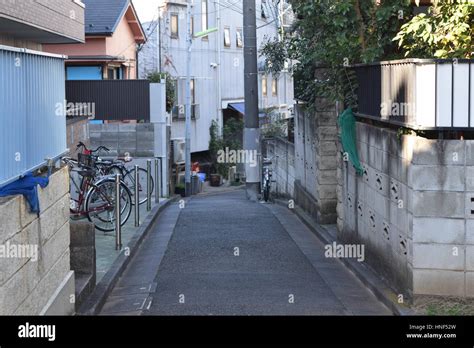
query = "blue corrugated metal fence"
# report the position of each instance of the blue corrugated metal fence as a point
(32, 117)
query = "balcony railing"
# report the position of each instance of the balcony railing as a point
(418, 93)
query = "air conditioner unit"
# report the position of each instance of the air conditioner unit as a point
(179, 150)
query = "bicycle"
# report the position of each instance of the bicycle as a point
(118, 167)
(267, 175)
(96, 197)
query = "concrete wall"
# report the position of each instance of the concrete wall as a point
(413, 209)
(315, 160)
(83, 259)
(45, 286)
(77, 130)
(283, 154)
(135, 139)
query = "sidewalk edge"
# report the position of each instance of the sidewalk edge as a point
(95, 302)
(367, 276)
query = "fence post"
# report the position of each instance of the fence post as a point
(148, 185)
(137, 197)
(118, 213)
(157, 182)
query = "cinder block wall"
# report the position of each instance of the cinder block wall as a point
(316, 160)
(44, 286)
(136, 139)
(413, 209)
(283, 154)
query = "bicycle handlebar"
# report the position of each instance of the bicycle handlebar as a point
(106, 149)
(100, 148)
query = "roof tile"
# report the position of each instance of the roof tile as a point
(102, 16)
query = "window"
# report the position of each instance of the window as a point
(174, 26)
(204, 17)
(240, 38)
(275, 87)
(193, 92)
(264, 86)
(176, 91)
(226, 37)
(113, 73)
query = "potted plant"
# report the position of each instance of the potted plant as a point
(180, 189)
(216, 180)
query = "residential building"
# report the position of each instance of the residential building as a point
(217, 69)
(32, 129)
(113, 33)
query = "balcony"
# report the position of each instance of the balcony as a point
(43, 21)
(418, 93)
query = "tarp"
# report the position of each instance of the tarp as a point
(240, 107)
(28, 187)
(347, 123)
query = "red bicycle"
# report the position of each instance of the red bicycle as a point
(94, 198)
(117, 166)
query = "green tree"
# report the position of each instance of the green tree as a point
(445, 32)
(157, 77)
(232, 139)
(329, 35)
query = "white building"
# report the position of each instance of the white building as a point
(217, 61)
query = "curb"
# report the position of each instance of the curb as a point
(366, 275)
(94, 303)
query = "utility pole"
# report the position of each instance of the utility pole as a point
(159, 40)
(189, 40)
(252, 126)
(220, 119)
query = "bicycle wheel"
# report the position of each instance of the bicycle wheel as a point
(114, 170)
(100, 205)
(266, 193)
(129, 180)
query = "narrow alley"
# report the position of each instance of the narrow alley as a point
(224, 255)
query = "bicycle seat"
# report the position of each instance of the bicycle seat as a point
(267, 163)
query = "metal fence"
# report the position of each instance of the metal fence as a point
(32, 117)
(116, 100)
(390, 83)
(420, 93)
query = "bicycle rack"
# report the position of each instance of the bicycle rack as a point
(137, 198)
(118, 213)
(148, 185)
(157, 181)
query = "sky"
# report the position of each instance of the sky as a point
(147, 9)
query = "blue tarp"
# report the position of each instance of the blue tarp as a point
(240, 107)
(28, 187)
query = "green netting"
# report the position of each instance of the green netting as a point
(347, 123)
